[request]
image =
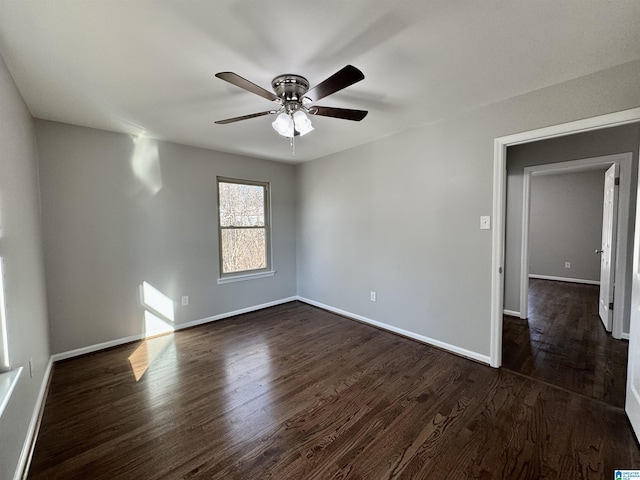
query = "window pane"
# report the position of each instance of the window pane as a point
(241, 205)
(243, 249)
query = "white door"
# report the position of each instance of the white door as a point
(632, 402)
(608, 247)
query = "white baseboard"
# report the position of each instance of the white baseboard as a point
(121, 341)
(564, 279)
(195, 323)
(624, 336)
(415, 336)
(511, 313)
(34, 426)
(94, 348)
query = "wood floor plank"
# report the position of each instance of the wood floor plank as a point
(563, 342)
(295, 392)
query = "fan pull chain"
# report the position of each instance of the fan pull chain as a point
(293, 146)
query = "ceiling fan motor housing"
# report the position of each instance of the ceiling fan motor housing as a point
(290, 87)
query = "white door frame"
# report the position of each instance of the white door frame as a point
(499, 203)
(622, 261)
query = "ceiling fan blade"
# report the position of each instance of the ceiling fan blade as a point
(339, 80)
(244, 117)
(344, 113)
(238, 81)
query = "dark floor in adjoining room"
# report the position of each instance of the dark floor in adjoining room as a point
(563, 342)
(295, 392)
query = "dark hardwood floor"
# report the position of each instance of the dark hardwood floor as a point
(295, 392)
(564, 342)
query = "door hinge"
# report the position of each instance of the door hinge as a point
(617, 181)
(611, 306)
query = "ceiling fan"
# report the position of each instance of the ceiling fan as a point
(295, 99)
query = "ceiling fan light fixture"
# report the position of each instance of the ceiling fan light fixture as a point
(295, 100)
(302, 122)
(283, 124)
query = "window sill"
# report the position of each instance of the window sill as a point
(8, 381)
(249, 276)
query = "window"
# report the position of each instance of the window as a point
(243, 223)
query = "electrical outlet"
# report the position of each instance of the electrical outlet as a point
(567, 264)
(185, 300)
(373, 296)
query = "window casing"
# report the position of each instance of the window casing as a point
(243, 227)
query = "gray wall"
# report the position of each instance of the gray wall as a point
(565, 224)
(401, 215)
(21, 249)
(573, 147)
(118, 211)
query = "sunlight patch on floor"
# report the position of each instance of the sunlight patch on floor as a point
(159, 317)
(148, 351)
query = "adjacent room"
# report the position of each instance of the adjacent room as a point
(558, 326)
(244, 239)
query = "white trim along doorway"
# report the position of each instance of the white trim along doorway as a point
(499, 203)
(623, 289)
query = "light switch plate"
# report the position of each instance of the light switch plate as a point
(485, 222)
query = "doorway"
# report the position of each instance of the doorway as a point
(623, 164)
(499, 204)
(558, 336)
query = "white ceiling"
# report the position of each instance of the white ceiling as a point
(143, 66)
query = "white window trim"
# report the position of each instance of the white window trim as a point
(8, 381)
(5, 364)
(247, 274)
